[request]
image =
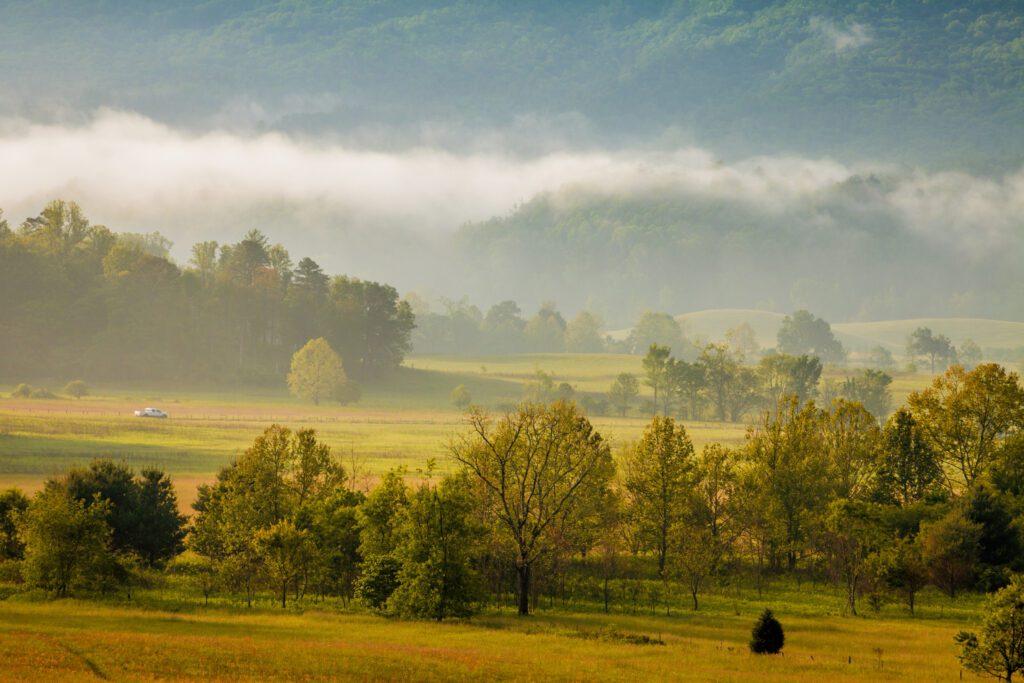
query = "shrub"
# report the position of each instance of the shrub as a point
(43, 393)
(460, 397)
(76, 389)
(767, 636)
(22, 391)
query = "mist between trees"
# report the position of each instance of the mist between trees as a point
(541, 510)
(82, 301)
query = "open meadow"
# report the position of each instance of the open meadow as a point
(165, 635)
(403, 421)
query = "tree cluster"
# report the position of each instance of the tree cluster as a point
(82, 301)
(721, 385)
(539, 507)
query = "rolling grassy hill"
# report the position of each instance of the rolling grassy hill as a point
(861, 336)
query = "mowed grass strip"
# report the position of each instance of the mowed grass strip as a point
(70, 640)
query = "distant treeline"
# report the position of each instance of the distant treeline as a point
(81, 301)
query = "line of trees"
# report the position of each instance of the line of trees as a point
(538, 505)
(720, 384)
(82, 301)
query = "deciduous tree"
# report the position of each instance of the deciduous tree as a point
(537, 470)
(316, 371)
(999, 650)
(657, 477)
(966, 415)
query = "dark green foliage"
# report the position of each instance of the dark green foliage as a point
(159, 529)
(333, 524)
(380, 517)
(1007, 471)
(142, 511)
(378, 581)
(436, 549)
(1000, 542)
(12, 504)
(767, 636)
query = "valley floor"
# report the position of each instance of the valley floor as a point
(71, 640)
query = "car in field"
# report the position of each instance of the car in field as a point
(150, 412)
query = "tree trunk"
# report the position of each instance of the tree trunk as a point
(524, 589)
(693, 592)
(284, 595)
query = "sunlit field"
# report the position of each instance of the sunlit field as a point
(405, 421)
(166, 634)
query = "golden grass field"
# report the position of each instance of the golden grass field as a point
(403, 422)
(71, 640)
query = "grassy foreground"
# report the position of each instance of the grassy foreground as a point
(70, 640)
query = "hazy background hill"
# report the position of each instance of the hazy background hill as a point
(863, 161)
(926, 81)
(850, 250)
(712, 325)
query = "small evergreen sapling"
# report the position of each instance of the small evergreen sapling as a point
(767, 636)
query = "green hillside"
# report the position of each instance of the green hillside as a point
(915, 80)
(991, 334)
(847, 252)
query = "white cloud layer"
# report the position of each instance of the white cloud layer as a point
(839, 39)
(136, 174)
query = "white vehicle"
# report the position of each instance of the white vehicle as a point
(150, 412)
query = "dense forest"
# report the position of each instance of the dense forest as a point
(918, 80)
(80, 300)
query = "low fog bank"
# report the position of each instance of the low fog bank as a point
(614, 230)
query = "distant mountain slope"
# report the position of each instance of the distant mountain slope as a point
(848, 251)
(939, 81)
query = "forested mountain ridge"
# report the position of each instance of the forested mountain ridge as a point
(849, 250)
(921, 81)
